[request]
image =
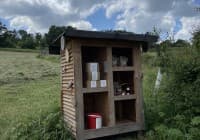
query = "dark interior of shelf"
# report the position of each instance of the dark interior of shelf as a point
(127, 52)
(97, 103)
(124, 79)
(94, 54)
(125, 111)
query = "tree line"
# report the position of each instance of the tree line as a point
(24, 40)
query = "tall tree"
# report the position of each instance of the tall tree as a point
(54, 32)
(23, 34)
(38, 39)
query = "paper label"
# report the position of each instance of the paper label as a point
(103, 83)
(98, 123)
(93, 84)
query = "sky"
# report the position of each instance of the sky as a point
(173, 17)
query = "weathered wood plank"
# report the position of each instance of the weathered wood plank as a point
(68, 100)
(129, 68)
(70, 121)
(69, 115)
(106, 43)
(70, 112)
(67, 77)
(137, 86)
(64, 62)
(68, 91)
(68, 74)
(106, 131)
(68, 96)
(110, 87)
(69, 108)
(78, 88)
(94, 90)
(125, 97)
(68, 104)
(67, 65)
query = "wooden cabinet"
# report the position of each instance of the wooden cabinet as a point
(120, 103)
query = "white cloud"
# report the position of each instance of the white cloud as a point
(141, 16)
(39, 15)
(24, 22)
(188, 24)
(82, 25)
(142, 21)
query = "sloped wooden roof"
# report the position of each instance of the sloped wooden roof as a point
(108, 35)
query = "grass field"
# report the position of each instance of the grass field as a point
(29, 86)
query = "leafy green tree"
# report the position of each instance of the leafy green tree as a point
(54, 32)
(3, 29)
(28, 42)
(38, 39)
(23, 34)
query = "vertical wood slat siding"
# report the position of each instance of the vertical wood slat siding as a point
(67, 95)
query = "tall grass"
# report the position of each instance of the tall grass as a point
(28, 87)
(173, 111)
(48, 126)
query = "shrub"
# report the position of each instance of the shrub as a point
(173, 113)
(183, 86)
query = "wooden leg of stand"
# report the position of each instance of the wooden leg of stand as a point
(140, 135)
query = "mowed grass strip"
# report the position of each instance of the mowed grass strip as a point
(28, 87)
(18, 66)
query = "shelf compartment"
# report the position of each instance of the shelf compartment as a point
(94, 55)
(97, 103)
(125, 97)
(94, 90)
(123, 52)
(125, 111)
(123, 80)
(128, 68)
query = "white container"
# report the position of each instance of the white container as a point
(92, 84)
(91, 76)
(123, 60)
(102, 83)
(92, 67)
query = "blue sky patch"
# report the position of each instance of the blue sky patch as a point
(100, 21)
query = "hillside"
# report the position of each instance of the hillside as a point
(29, 86)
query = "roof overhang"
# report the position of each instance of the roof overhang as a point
(147, 39)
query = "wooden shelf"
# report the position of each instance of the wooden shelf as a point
(124, 121)
(126, 68)
(125, 97)
(117, 129)
(94, 90)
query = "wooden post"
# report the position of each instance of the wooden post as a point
(137, 86)
(110, 86)
(76, 49)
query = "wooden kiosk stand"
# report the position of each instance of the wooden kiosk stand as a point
(101, 74)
